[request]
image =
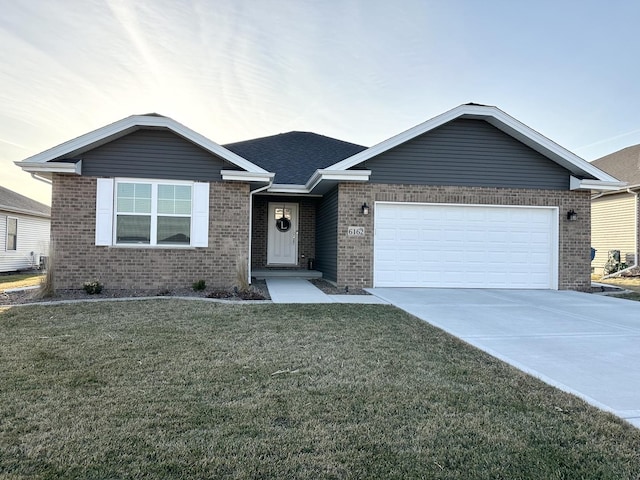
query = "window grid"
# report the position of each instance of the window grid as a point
(166, 206)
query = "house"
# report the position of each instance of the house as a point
(24, 231)
(614, 214)
(471, 198)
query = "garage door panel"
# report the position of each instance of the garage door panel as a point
(465, 246)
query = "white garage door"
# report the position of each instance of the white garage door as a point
(461, 246)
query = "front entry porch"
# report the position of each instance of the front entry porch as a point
(262, 274)
(283, 236)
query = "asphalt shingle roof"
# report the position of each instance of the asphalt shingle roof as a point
(623, 164)
(14, 202)
(294, 156)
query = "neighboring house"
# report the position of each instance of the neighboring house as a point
(24, 231)
(471, 198)
(614, 214)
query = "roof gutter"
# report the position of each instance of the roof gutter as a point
(35, 176)
(337, 176)
(243, 176)
(47, 168)
(320, 176)
(597, 185)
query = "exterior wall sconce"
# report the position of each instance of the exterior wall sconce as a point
(572, 216)
(365, 208)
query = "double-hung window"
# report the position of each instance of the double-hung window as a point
(154, 213)
(12, 233)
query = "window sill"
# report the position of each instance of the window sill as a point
(154, 247)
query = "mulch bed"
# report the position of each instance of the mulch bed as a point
(257, 291)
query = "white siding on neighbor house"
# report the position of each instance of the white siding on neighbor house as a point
(33, 236)
(613, 227)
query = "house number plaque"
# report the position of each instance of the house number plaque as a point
(355, 232)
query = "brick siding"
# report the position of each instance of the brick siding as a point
(78, 259)
(355, 254)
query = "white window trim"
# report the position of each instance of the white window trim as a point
(106, 213)
(6, 243)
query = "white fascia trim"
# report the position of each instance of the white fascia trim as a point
(51, 167)
(337, 175)
(288, 189)
(242, 176)
(320, 175)
(493, 115)
(130, 124)
(598, 185)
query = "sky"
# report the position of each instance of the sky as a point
(357, 70)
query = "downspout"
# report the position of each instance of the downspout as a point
(42, 179)
(251, 194)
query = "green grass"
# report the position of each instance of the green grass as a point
(18, 280)
(630, 296)
(186, 389)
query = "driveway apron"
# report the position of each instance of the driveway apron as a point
(585, 344)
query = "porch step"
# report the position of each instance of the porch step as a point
(262, 274)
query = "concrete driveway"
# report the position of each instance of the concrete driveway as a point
(588, 345)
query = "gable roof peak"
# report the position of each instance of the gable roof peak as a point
(479, 104)
(502, 121)
(120, 128)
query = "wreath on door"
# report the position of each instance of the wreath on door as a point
(283, 224)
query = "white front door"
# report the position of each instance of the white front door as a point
(282, 240)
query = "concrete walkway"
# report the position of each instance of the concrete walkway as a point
(584, 344)
(297, 290)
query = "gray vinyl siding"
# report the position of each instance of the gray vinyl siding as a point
(154, 154)
(327, 236)
(467, 153)
(613, 227)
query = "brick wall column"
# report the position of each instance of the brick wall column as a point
(355, 254)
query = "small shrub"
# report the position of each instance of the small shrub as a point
(199, 285)
(93, 287)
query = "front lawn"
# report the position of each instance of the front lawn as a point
(630, 283)
(187, 389)
(19, 280)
